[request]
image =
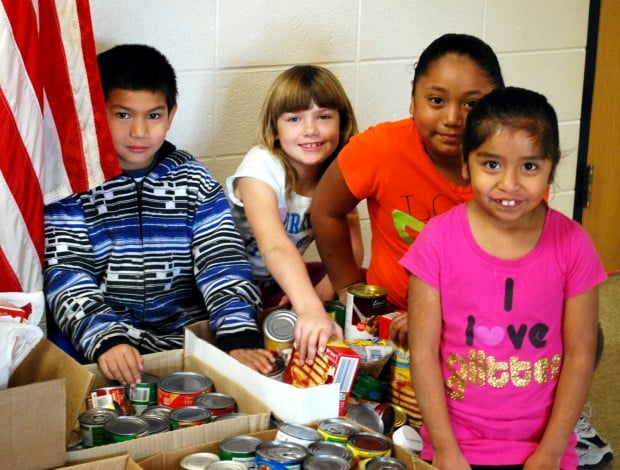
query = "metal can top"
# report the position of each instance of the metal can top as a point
(280, 325)
(370, 441)
(215, 401)
(367, 291)
(157, 424)
(126, 426)
(321, 462)
(338, 427)
(240, 444)
(157, 410)
(385, 463)
(96, 416)
(198, 461)
(331, 448)
(228, 465)
(366, 416)
(281, 452)
(185, 382)
(400, 416)
(188, 414)
(299, 431)
(228, 416)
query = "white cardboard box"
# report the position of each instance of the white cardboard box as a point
(183, 360)
(287, 403)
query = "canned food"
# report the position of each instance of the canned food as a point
(382, 463)
(227, 416)
(277, 455)
(91, 425)
(181, 388)
(337, 430)
(364, 304)
(336, 311)
(331, 448)
(408, 438)
(157, 410)
(228, 465)
(198, 461)
(217, 403)
(125, 428)
(321, 462)
(365, 445)
(279, 332)
(279, 368)
(157, 424)
(367, 416)
(113, 397)
(144, 394)
(297, 433)
(240, 449)
(189, 416)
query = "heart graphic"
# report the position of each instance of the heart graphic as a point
(489, 336)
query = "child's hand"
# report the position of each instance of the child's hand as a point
(260, 360)
(312, 331)
(122, 363)
(450, 461)
(398, 331)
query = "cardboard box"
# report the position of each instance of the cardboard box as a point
(174, 361)
(39, 408)
(170, 460)
(120, 462)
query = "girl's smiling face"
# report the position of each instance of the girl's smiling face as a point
(509, 175)
(441, 100)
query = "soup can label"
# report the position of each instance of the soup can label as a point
(365, 303)
(113, 397)
(180, 389)
(144, 394)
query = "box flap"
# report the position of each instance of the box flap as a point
(290, 404)
(32, 433)
(48, 362)
(119, 462)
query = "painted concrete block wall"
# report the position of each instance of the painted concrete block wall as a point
(227, 52)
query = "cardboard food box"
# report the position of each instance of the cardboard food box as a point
(39, 408)
(287, 403)
(119, 462)
(339, 364)
(257, 419)
(171, 460)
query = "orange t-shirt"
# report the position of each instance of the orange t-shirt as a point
(388, 166)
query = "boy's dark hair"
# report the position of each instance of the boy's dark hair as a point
(137, 67)
(463, 45)
(515, 109)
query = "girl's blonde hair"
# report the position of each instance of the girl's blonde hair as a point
(294, 90)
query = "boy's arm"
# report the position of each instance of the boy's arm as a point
(70, 283)
(425, 323)
(579, 327)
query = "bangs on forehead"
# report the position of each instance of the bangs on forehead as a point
(301, 97)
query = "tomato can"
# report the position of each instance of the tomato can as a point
(297, 433)
(320, 462)
(125, 428)
(321, 448)
(91, 425)
(240, 449)
(113, 397)
(279, 332)
(337, 430)
(217, 403)
(157, 424)
(364, 304)
(278, 455)
(382, 463)
(189, 416)
(144, 394)
(365, 445)
(181, 388)
(198, 461)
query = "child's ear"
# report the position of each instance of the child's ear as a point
(411, 108)
(464, 169)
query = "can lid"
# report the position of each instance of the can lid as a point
(96, 416)
(190, 413)
(185, 382)
(280, 325)
(367, 291)
(400, 416)
(320, 462)
(198, 461)
(215, 401)
(408, 438)
(157, 410)
(331, 448)
(281, 452)
(300, 431)
(338, 427)
(157, 424)
(370, 441)
(126, 426)
(385, 463)
(366, 416)
(240, 444)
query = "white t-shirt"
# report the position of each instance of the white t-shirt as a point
(261, 164)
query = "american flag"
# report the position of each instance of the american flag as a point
(54, 139)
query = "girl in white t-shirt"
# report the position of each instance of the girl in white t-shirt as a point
(306, 119)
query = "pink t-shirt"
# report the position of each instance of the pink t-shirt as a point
(501, 344)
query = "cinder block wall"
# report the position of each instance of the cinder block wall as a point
(227, 52)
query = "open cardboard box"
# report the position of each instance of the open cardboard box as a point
(39, 408)
(171, 459)
(183, 360)
(287, 403)
(119, 462)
